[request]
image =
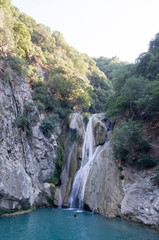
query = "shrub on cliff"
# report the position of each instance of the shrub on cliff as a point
(22, 121)
(48, 124)
(131, 145)
(55, 177)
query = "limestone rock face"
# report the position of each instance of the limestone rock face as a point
(141, 197)
(135, 197)
(100, 131)
(104, 189)
(25, 163)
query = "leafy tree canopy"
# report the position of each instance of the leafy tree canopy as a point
(131, 144)
(71, 78)
(109, 65)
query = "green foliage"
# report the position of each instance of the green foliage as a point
(27, 119)
(109, 65)
(22, 121)
(156, 180)
(156, 169)
(86, 116)
(11, 211)
(69, 90)
(33, 77)
(55, 178)
(42, 37)
(41, 95)
(121, 177)
(5, 3)
(5, 211)
(40, 106)
(29, 107)
(22, 39)
(133, 96)
(29, 132)
(148, 102)
(121, 169)
(19, 65)
(62, 112)
(131, 145)
(148, 63)
(154, 43)
(101, 91)
(68, 74)
(127, 89)
(48, 124)
(72, 81)
(146, 161)
(28, 21)
(51, 199)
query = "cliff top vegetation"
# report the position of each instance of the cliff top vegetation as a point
(62, 80)
(57, 74)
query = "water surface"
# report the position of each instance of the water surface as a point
(45, 224)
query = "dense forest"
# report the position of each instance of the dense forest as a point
(70, 80)
(134, 105)
(62, 80)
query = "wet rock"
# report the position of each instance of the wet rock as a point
(132, 196)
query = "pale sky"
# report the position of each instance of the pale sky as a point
(106, 28)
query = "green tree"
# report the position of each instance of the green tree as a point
(148, 102)
(130, 92)
(48, 124)
(130, 144)
(71, 91)
(22, 39)
(5, 3)
(109, 65)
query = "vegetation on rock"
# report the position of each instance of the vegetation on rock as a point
(131, 145)
(62, 80)
(134, 101)
(55, 177)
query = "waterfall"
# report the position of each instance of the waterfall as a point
(70, 155)
(89, 154)
(65, 175)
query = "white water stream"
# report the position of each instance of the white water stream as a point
(69, 156)
(89, 154)
(65, 176)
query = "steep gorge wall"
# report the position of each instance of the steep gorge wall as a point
(135, 197)
(25, 163)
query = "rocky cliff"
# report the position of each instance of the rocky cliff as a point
(110, 189)
(26, 162)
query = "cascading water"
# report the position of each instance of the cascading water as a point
(70, 156)
(89, 154)
(65, 176)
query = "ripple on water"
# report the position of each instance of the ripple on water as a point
(45, 224)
